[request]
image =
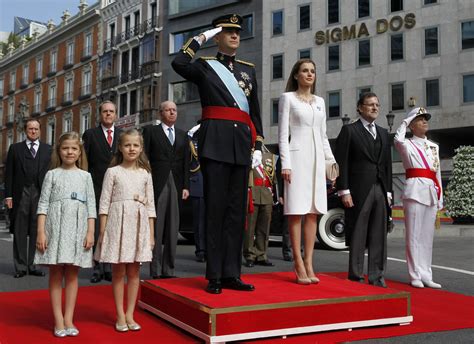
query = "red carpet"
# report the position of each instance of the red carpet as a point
(25, 317)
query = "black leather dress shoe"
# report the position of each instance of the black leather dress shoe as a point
(108, 276)
(288, 258)
(360, 280)
(200, 258)
(236, 284)
(19, 274)
(167, 276)
(380, 283)
(96, 278)
(249, 263)
(37, 273)
(264, 263)
(214, 286)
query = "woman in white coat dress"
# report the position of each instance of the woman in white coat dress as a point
(304, 150)
(422, 197)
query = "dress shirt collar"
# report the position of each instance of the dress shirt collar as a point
(419, 139)
(365, 122)
(165, 127)
(37, 143)
(104, 129)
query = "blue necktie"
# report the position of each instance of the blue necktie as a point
(170, 135)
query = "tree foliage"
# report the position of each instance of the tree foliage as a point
(460, 190)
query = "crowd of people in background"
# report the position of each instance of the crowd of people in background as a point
(112, 200)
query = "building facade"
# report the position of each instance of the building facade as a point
(52, 78)
(410, 53)
(129, 63)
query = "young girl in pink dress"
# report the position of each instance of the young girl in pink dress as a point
(126, 215)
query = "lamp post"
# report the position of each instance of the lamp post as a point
(390, 117)
(345, 119)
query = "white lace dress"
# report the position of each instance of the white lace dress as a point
(67, 199)
(127, 198)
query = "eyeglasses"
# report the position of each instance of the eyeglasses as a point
(373, 104)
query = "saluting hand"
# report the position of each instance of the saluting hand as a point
(210, 33)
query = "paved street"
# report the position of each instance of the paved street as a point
(453, 267)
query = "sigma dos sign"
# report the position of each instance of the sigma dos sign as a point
(354, 31)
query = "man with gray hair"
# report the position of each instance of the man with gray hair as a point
(167, 148)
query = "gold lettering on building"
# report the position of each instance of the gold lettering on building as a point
(354, 31)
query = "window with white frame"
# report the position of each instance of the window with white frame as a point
(53, 61)
(68, 90)
(334, 57)
(85, 113)
(363, 52)
(26, 74)
(70, 53)
(11, 109)
(88, 44)
(1, 87)
(184, 92)
(37, 102)
(86, 82)
(39, 68)
(396, 47)
(67, 122)
(396, 5)
(12, 80)
(51, 130)
(52, 94)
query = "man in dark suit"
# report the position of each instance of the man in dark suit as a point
(229, 128)
(364, 185)
(100, 144)
(167, 148)
(27, 164)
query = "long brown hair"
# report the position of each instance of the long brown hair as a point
(56, 157)
(142, 160)
(292, 83)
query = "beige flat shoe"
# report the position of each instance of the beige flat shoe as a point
(134, 327)
(121, 328)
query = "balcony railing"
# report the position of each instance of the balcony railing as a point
(51, 105)
(141, 29)
(86, 92)
(68, 61)
(38, 76)
(36, 110)
(109, 82)
(67, 99)
(52, 69)
(86, 53)
(24, 82)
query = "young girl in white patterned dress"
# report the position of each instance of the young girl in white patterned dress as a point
(66, 217)
(127, 213)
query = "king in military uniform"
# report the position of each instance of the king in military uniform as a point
(231, 128)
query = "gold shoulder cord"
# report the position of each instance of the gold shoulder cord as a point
(194, 155)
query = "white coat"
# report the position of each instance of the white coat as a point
(305, 155)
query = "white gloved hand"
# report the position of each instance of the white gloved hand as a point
(256, 158)
(211, 33)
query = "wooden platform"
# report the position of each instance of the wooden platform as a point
(278, 306)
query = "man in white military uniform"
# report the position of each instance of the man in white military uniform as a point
(422, 196)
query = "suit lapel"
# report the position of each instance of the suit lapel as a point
(364, 139)
(101, 140)
(163, 139)
(21, 154)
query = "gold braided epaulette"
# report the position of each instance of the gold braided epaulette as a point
(245, 63)
(208, 57)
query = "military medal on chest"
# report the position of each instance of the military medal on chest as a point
(245, 83)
